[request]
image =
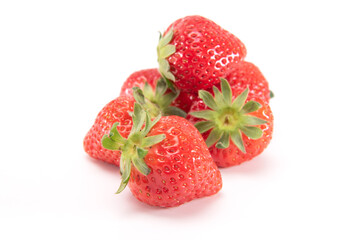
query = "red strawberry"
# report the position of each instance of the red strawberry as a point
(166, 163)
(156, 102)
(115, 111)
(247, 123)
(243, 74)
(151, 76)
(195, 53)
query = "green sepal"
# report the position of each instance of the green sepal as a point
(251, 106)
(147, 91)
(204, 126)
(163, 41)
(136, 146)
(226, 92)
(164, 99)
(164, 68)
(240, 100)
(161, 88)
(205, 114)
(114, 140)
(236, 137)
(228, 119)
(152, 123)
(108, 143)
(125, 170)
(218, 95)
(148, 125)
(172, 110)
(252, 132)
(138, 118)
(271, 94)
(141, 153)
(213, 137)
(208, 99)
(170, 84)
(138, 94)
(140, 165)
(167, 99)
(253, 121)
(165, 50)
(152, 140)
(122, 186)
(158, 101)
(224, 141)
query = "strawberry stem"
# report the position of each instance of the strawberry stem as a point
(165, 50)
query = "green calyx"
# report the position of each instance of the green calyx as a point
(165, 50)
(158, 101)
(135, 147)
(228, 119)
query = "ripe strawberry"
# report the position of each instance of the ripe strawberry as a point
(247, 121)
(115, 111)
(166, 163)
(151, 76)
(243, 74)
(156, 102)
(195, 53)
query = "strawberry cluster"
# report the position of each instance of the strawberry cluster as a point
(171, 128)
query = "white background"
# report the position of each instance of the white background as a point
(62, 61)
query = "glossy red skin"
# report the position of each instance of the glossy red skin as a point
(151, 76)
(185, 100)
(244, 74)
(181, 167)
(204, 51)
(232, 156)
(115, 111)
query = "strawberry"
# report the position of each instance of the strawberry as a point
(243, 74)
(245, 120)
(151, 76)
(165, 163)
(157, 102)
(195, 53)
(115, 111)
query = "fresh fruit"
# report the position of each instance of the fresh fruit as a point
(236, 129)
(195, 53)
(157, 101)
(165, 163)
(151, 76)
(241, 75)
(115, 111)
